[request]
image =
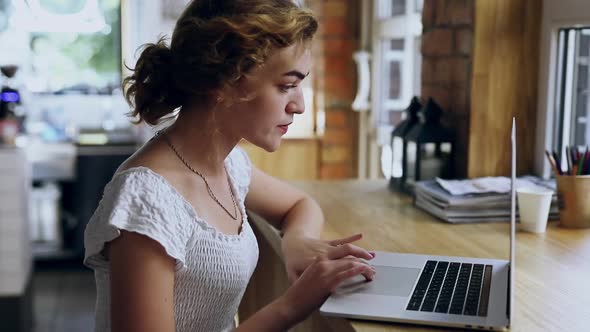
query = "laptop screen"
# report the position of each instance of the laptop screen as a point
(512, 222)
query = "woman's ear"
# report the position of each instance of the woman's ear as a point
(246, 89)
(225, 97)
(219, 97)
(232, 94)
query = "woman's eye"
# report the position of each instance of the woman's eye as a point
(286, 87)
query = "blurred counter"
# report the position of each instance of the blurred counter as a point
(68, 180)
(56, 161)
(52, 161)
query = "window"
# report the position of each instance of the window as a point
(69, 57)
(304, 125)
(397, 28)
(563, 96)
(75, 46)
(572, 103)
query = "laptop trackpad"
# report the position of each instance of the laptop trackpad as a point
(390, 281)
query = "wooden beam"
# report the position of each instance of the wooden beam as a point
(504, 84)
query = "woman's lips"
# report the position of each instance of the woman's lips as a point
(284, 128)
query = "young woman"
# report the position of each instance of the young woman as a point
(170, 242)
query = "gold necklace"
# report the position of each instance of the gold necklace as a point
(233, 216)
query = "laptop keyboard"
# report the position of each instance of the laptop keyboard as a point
(453, 288)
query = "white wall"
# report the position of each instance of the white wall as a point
(566, 10)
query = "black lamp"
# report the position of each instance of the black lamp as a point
(399, 144)
(429, 148)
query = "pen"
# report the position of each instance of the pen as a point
(552, 163)
(568, 159)
(574, 153)
(557, 162)
(574, 157)
(581, 164)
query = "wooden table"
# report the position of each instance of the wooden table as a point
(552, 269)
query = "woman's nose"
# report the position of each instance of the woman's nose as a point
(297, 105)
(296, 108)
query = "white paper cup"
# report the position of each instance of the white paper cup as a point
(533, 208)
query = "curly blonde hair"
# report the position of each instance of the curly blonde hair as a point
(214, 44)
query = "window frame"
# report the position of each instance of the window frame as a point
(407, 27)
(568, 62)
(556, 15)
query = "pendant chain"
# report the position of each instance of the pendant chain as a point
(234, 216)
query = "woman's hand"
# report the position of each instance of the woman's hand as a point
(300, 252)
(315, 284)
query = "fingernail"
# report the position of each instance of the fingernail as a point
(372, 253)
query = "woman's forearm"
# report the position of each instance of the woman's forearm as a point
(275, 317)
(304, 219)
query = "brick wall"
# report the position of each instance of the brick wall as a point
(447, 48)
(335, 84)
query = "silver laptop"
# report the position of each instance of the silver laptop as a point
(434, 290)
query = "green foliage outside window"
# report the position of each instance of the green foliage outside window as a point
(74, 61)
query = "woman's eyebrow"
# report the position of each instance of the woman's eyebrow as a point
(297, 74)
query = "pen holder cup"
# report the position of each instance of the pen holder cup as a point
(573, 194)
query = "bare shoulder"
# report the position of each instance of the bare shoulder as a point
(159, 158)
(153, 155)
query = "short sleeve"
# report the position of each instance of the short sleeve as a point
(137, 201)
(240, 170)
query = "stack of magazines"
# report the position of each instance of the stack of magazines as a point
(476, 200)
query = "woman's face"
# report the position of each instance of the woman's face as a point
(276, 93)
